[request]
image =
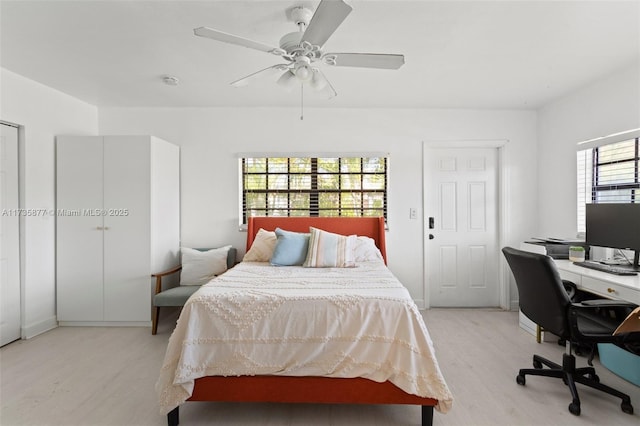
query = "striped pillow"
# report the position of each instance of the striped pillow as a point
(330, 250)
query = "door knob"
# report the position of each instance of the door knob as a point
(431, 237)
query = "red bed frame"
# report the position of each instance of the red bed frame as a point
(289, 389)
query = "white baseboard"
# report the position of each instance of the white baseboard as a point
(33, 330)
(105, 323)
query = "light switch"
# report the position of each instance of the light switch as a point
(413, 213)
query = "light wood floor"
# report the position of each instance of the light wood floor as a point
(106, 376)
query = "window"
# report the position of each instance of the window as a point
(314, 186)
(608, 174)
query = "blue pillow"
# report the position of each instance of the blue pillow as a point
(291, 248)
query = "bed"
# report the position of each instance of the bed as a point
(202, 363)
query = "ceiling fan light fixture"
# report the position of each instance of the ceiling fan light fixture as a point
(302, 68)
(318, 81)
(287, 80)
(304, 72)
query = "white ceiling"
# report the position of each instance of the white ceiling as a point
(473, 54)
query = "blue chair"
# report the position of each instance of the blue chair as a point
(178, 296)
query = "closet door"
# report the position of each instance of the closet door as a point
(79, 228)
(127, 282)
(9, 237)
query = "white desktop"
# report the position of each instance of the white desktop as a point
(622, 287)
(601, 284)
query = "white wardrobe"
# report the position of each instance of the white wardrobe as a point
(117, 222)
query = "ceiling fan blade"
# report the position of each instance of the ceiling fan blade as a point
(270, 71)
(365, 60)
(326, 19)
(233, 39)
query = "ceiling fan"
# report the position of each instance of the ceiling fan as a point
(302, 50)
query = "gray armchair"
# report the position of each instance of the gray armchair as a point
(177, 296)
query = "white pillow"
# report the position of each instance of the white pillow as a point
(199, 267)
(262, 247)
(329, 250)
(365, 250)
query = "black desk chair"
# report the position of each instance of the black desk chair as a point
(543, 299)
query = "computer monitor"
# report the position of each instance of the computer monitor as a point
(615, 226)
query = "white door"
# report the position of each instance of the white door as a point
(9, 237)
(127, 176)
(79, 228)
(461, 241)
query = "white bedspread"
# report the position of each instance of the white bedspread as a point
(258, 319)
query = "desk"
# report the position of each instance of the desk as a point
(622, 287)
(602, 284)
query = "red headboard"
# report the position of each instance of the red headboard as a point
(372, 227)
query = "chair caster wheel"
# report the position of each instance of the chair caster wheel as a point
(537, 365)
(574, 409)
(627, 407)
(520, 379)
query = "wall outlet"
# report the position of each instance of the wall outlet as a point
(413, 213)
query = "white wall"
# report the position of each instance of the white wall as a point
(607, 106)
(210, 138)
(43, 113)
(541, 194)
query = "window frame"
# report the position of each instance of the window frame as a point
(598, 187)
(314, 190)
(590, 172)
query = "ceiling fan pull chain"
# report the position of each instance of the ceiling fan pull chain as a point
(301, 101)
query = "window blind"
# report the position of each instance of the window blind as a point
(608, 174)
(346, 185)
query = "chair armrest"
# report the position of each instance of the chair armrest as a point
(605, 303)
(159, 276)
(168, 271)
(588, 310)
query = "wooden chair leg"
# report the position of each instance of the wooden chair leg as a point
(154, 325)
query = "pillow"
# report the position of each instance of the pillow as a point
(199, 267)
(262, 247)
(365, 250)
(327, 249)
(291, 248)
